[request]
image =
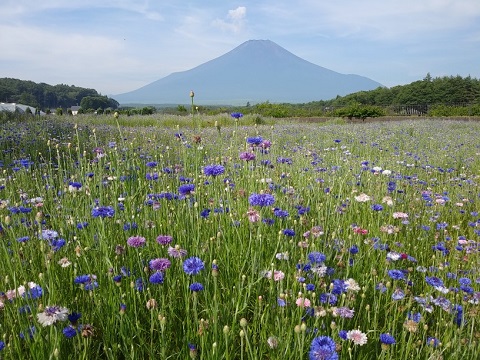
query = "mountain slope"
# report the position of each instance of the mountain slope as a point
(255, 71)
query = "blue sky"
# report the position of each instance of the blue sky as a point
(116, 46)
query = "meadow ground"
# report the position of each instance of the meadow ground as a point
(209, 238)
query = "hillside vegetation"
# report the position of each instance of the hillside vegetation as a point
(440, 96)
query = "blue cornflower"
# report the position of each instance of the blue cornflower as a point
(377, 207)
(261, 199)
(195, 287)
(310, 287)
(323, 348)
(280, 213)
(387, 339)
(281, 302)
(156, 278)
(34, 292)
(69, 331)
(343, 334)
(186, 189)
(151, 176)
(82, 225)
(398, 294)
(57, 244)
(2, 345)
(414, 316)
(433, 281)
(193, 265)
(339, 287)
(139, 284)
(74, 317)
(353, 250)
(151, 164)
(316, 257)
(82, 279)
(204, 213)
(49, 234)
(289, 232)
(103, 211)
(433, 341)
(23, 239)
(91, 285)
(303, 210)
(328, 298)
(396, 274)
(464, 281)
(236, 115)
(255, 140)
(213, 170)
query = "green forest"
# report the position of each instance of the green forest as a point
(43, 96)
(439, 96)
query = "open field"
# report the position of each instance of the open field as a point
(172, 239)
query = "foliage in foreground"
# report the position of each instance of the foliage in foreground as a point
(266, 242)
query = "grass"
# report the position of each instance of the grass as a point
(352, 202)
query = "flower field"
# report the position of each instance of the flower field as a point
(283, 241)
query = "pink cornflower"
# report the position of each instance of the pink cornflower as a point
(303, 302)
(136, 241)
(176, 252)
(278, 275)
(253, 215)
(363, 198)
(400, 215)
(357, 337)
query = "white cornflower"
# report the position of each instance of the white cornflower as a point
(52, 314)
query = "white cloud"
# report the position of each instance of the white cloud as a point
(235, 20)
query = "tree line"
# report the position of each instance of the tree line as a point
(45, 97)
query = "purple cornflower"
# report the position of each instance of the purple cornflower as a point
(396, 274)
(136, 241)
(193, 265)
(196, 287)
(164, 239)
(159, 264)
(103, 211)
(247, 156)
(344, 312)
(213, 170)
(323, 348)
(261, 199)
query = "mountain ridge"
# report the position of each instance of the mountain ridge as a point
(254, 71)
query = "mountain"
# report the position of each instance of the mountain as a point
(255, 71)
